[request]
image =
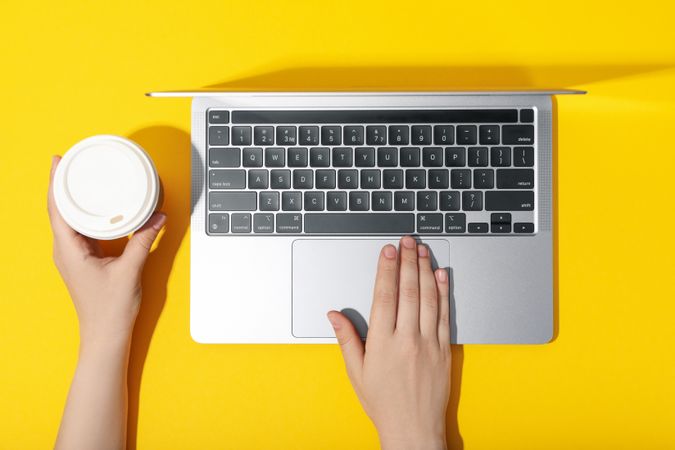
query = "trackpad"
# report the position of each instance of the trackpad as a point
(339, 274)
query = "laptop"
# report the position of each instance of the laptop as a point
(295, 193)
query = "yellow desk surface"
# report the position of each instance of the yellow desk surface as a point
(72, 69)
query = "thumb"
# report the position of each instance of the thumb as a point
(138, 248)
(350, 343)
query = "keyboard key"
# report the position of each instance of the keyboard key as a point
(520, 227)
(263, 135)
(232, 201)
(460, 179)
(439, 178)
(331, 135)
(241, 223)
(325, 179)
(336, 201)
(509, 201)
(365, 157)
(404, 201)
(348, 179)
(291, 201)
(314, 201)
(376, 135)
(392, 179)
(455, 223)
(219, 116)
(478, 156)
(398, 134)
(269, 201)
(415, 179)
(466, 134)
(367, 223)
(455, 156)
(280, 179)
(483, 179)
(432, 157)
(219, 135)
(427, 201)
(370, 179)
(420, 134)
(224, 157)
(472, 200)
(527, 115)
(444, 135)
(309, 136)
(515, 178)
(258, 179)
(500, 156)
(489, 134)
(297, 157)
(227, 179)
(263, 223)
(275, 157)
(253, 157)
(287, 136)
(500, 227)
(449, 201)
(517, 134)
(219, 223)
(303, 179)
(429, 223)
(478, 227)
(523, 156)
(500, 218)
(289, 223)
(353, 135)
(359, 201)
(319, 157)
(387, 157)
(381, 201)
(343, 157)
(410, 156)
(241, 135)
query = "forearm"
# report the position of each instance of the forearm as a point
(95, 416)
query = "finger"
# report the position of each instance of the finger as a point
(383, 310)
(350, 343)
(443, 284)
(138, 248)
(61, 230)
(428, 295)
(408, 316)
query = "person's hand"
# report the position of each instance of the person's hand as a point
(402, 376)
(106, 290)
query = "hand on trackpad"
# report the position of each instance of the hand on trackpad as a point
(339, 274)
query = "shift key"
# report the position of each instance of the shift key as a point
(232, 201)
(227, 179)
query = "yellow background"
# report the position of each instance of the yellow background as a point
(74, 69)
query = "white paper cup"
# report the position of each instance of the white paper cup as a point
(106, 187)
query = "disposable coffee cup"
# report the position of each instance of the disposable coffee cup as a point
(106, 187)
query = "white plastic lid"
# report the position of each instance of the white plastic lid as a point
(106, 187)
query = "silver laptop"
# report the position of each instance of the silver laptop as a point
(294, 195)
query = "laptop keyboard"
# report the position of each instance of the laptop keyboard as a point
(371, 172)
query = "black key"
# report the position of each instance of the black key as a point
(430, 223)
(515, 178)
(348, 179)
(275, 157)
(291, 201)
(343, 157)
(367, 223)
(319, 157)
(415, 179)
(219, 116)
(336, 201)
(353, 135)
(455, 156)
(427, 201)
(420, 134)
(527, 115)
(387, 157)
(472, 200)
(286, 136)
(500, 227)
(269, 201)
(466, 134)
(432, 157)
(393, 179)
(253, 157)
(227, 179)
(488, 134)
(444, 135)
(517, 134)
(455, 223)
(483, 179)
(241, 135)
(449, 201)
(359, 201)
(331, 135)
(410, 156)
(297, 157)
(219, 223)
(232, 201)
(263, 135)
(289, 223)
(381, 201)
(303, 179)
(325, 179)
(314, 201)
(398, 134)
(365, 157)
(370, 179)
(263, 223)
(478, 227)
(404, 201)
(258, 179)
(509, 200)
(376, 135)
(500, 156)
(219, 135)
(241, 223)
(500, 218)
(523, 156)
(522, 227)
(460, 179)
(280, 179)
(309, 135)
(224, 157)
(478, 156)
(439, 178)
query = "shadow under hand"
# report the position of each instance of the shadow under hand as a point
(453, 436)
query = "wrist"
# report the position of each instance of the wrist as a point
(414, 441)
(104, 345)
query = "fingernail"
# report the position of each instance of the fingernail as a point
(422, 251)
(442, 275)
(159, 221)
(408, 242)
(389, 252)
(333, 321)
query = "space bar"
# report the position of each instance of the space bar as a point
(337, 223)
